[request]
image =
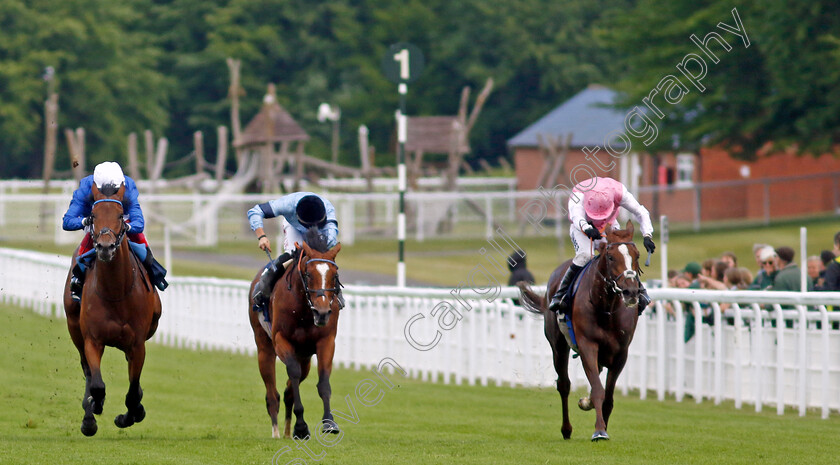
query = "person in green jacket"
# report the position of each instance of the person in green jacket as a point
(789, 277)
(768, 261)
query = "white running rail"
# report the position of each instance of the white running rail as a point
(773, 349)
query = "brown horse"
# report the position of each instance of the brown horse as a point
(604, 315)
(304, 319)
(119, 308)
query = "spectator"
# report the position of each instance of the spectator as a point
(712, 278)
(788, 277)
(746, 278)
(518, 271)
(767, 272)
(709, 267)
(816, 272)
(826, 256)
(672, 276)
(757, 248)
(691, 271)
(730, 259)
(832, 270)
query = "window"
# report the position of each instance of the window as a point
(685, 169)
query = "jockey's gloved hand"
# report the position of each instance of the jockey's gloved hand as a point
(127, 226)
(649, 245)
(591, 232)
(87, 221)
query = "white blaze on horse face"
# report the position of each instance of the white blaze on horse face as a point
(628, 261)
(323, 268)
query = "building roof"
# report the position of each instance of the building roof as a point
(272, 124)
(587, 116)
(432, 134)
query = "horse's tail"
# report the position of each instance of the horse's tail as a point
(529, 300)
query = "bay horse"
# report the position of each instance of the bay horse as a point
(304, 312)
(604, 316)
(119, 308)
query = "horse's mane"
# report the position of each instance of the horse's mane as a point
(315, 240)
(109, 189)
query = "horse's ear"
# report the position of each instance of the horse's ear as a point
(630, 229)
(602, 246)
(333, 251)
(608, 230)
(95, 192)
(121, 192)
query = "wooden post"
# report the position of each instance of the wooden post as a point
(133, 165)
(50, 138)
(50, 144)
(234, 92)
(298, 165)
(198, 142)
(76, 148)
(221, 154)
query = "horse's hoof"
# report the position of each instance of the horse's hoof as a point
(329, 426)
(567, 434)
(600, 436)
(585, 403)
(139, 413)
(89, 426)
(301, 432)
(123, 421)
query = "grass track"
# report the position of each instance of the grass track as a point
(207, 408)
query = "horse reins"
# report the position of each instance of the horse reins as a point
(119, 238)
(612, 285)
(318, 292)
(123, 230)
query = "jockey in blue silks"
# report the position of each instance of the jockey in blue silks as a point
(78, 217)
(300, 211)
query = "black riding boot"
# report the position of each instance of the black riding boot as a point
(560, 301)
(157, 272)
(644, 299)
(269, 276)
(77, 283)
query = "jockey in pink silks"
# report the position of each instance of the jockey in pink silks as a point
(590, 213)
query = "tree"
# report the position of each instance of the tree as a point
(776, 85)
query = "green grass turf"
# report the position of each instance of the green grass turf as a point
(207, 408)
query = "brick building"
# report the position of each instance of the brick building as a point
(705, 186)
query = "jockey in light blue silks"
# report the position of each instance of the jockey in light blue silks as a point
(78, 217)
(300, 211)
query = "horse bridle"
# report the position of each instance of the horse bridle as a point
(318, 292)
(612, 285)
(123, 229)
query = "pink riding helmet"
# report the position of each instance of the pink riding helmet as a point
(598, 205)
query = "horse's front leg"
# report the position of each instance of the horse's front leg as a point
(325, 351)
(612, 378)
(95, 387)
(589, 358)
(135, 412)
(296, 371)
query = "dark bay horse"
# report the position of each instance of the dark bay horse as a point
(304, 320)
(119, 308)
(604, 316)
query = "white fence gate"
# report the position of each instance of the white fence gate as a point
(767, 348)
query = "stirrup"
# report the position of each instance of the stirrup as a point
(76, 288)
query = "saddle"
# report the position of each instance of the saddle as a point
(566, 324)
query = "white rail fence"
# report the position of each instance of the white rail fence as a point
(767, 349)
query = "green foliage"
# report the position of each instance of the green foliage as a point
(781, 89)
(106, 78)
(160, 64)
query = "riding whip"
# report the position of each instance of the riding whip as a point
(274, 267)
(647, 262)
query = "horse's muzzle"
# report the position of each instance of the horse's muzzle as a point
(630, 297)
(321, 318)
